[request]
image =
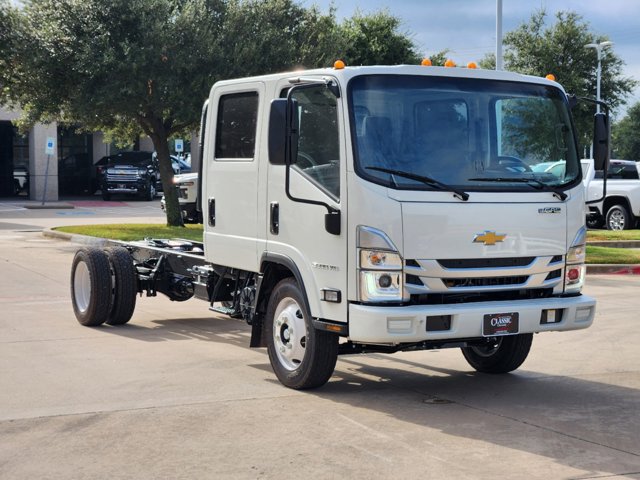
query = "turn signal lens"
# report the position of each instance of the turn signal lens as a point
(551, 77)
(426, 62)
(338, 65)
(449, 63)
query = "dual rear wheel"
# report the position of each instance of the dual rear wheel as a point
(103, 286)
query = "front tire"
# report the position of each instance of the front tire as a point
(150, 191)
(619, 218)
(124, 285)
(500, 354)
(91, 287)
(301, 356)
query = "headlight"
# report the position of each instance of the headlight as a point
(380, 274)
(142, 172)
(575, 268)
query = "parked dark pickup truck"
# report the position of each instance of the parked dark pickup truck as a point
(130, 173)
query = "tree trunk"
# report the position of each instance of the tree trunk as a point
(172, 206)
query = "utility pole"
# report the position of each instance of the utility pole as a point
(499, 35)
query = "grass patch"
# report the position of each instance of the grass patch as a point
(612, 255)
(603, 235)
(135, 231)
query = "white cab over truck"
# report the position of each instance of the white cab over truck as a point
(374, 209)
(620, 209)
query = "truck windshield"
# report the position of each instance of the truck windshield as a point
(471, 134)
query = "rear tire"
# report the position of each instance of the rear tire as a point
(124, 289)
(619, 218)
(502, 355)
(301, 356)
(91, 287)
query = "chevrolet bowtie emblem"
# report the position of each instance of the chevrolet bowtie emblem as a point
(488, 238)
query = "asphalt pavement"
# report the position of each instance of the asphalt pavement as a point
(178, 394)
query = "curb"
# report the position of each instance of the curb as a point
(75, 238)
(594, 269)
(615, 243)
(613, 269)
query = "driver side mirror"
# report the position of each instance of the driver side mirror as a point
(283, 131)
(600, 141)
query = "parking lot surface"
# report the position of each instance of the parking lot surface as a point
(177, 393)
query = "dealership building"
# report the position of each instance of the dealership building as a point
(31, 170)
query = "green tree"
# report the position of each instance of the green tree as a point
(261, 37)
(537, 49)
(375, 39)
(626, 135)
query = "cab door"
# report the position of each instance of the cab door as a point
(230, 193)
(296, 230)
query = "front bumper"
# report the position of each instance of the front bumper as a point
(394, 325)
(137, 187)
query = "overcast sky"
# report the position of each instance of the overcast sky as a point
(467, 28)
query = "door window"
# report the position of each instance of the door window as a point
(318, 146)
(236, 126)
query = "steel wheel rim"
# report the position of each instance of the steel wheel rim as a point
(82, 287)
(488, 350)
(616, 220)
(289, 334)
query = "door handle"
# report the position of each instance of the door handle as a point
(274, 218)
(212, 212)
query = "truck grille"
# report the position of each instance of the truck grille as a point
(122, 177)
(485, 278)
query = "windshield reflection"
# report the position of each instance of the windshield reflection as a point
(461, 132)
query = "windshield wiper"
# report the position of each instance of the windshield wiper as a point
(426, 180)
(532, 182)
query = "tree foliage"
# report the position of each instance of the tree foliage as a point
(626, 135)
(375, 39)
(535, 48)
(131, 67)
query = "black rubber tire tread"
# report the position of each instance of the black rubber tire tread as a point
(511, 353)
(321, 351)
(629, 221)
(99, 306)
(106, 196)
(149, 192)
(125, 288)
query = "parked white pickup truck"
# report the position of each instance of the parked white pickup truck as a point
(187, 186)
(620, 209)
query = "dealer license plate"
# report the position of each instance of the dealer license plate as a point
(500, 324)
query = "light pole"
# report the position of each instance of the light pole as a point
(598, 47)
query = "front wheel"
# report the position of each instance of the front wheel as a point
(301, 356)
(619, 218)
(150, 191)
(499, 354)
